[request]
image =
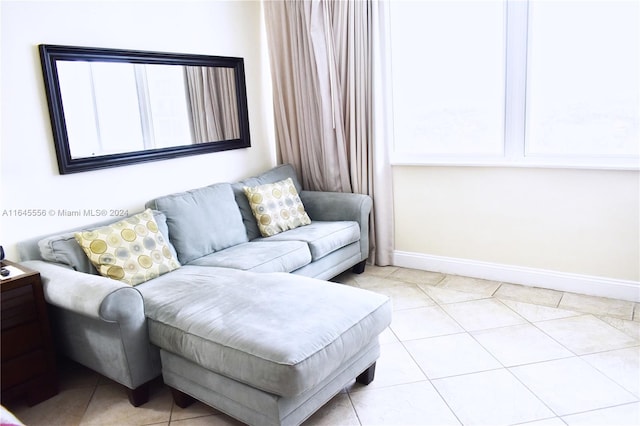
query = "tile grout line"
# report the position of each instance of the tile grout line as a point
(86, 408)
(500, 283)
(353, 406)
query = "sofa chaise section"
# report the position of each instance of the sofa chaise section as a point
(284, 351)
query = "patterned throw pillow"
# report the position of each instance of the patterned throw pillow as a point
(276, 207)
(131, 250)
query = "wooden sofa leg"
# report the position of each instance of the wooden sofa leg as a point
(139, 395)
(358, 268)
(181, 399)
(367, 376)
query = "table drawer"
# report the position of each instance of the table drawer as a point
(21, 339)
(28, 356)
(18, 306)
(23, 368)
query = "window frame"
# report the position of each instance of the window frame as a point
(515, 116)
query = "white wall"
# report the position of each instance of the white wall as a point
(30, 179)
(534, 225)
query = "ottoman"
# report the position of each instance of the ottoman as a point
(264, 348)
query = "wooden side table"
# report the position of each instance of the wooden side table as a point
(28, 356)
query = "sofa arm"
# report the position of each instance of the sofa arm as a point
(333, 206)
(330, 206)
(89, 295)
(100, 323)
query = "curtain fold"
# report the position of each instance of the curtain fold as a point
(213, 117)
(328, 62)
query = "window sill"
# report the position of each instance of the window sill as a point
(593, 163)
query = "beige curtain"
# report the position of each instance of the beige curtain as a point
(328, 63)
(212, 94)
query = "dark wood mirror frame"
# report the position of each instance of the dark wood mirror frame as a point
(50, 54)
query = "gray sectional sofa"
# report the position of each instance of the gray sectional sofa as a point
(241, 321)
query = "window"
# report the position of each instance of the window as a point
(448, 76)
(516, 83)
(583, 85)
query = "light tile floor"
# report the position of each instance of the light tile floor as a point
(459, 351)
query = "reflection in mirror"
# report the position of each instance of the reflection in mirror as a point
(117, 107)
(212, 117)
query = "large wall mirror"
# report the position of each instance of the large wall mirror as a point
(113, 107)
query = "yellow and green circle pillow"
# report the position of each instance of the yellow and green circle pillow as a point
(132, 250)
(277, 207)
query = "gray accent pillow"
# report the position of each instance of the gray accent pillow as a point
(64, 249)
(202, 221)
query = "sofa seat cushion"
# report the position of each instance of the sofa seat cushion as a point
(277, 332)
(260, 256)
(323, 237)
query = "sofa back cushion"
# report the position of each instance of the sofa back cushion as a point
(202, 221)
(276, 174)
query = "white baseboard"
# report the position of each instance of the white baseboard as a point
(554, 280)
